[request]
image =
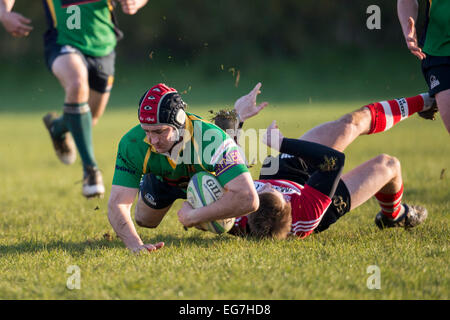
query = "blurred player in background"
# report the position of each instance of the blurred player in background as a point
(307, 194)
(79, 51)
(433, 49)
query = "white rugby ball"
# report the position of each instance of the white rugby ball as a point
(204, 189)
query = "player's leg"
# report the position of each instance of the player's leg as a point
(342, 132)
(443, 103)
(147, 216)
(370, 119)
(71, 71)
(155, 199)
(98, 102)
(101, 79)
(381, 177)
(382, 173)
(436, 71)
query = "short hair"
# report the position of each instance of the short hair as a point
(273, 218)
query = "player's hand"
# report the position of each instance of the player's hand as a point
(411, 40)
(273, 137)
(148, 247)
(185, 214)
(16, 24)
(132, 6)
(246, 106)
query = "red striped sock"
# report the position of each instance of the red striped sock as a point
(386, 114)
(390, 204)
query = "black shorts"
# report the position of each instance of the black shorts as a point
(100, 69)
(158, 194)
(297, 170)
(436, 71)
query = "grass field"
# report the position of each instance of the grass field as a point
(47, 226)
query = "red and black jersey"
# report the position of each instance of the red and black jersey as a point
(308, 205)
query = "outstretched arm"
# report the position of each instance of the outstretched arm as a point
(119, 206)
(246, 106)
(14, 23)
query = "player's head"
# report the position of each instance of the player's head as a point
(228, 122)
(161, 114)
(273, 218)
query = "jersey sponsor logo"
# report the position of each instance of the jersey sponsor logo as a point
(434, 82)
(229, 160)
(68, 3)
(124, 169)
(126, 163)
(225, 146)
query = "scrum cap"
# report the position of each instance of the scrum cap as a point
(162, 105)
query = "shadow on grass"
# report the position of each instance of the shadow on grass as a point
(194, 240)
(73, 247)
(111, 242)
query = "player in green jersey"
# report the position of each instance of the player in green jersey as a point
(79, 51)
(156, 160)
(433, 49)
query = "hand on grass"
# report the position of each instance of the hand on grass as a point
(148, 247)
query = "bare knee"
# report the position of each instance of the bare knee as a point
(148, 217)
(78, 89)
(389, 162)
(144, 222)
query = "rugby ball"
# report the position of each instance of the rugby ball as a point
(204, 189)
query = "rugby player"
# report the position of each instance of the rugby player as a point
(157, 158)
(433, 49)
(307, 194)
(79, 51)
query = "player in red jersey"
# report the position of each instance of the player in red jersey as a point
(307, 194)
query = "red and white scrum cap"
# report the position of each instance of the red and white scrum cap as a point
(162, 105)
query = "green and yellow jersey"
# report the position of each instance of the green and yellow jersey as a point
(87, 25)
(437, 32)
(204, 147)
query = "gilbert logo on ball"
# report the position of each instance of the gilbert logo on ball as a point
(204, 189)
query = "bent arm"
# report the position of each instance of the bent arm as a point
(239, 199)
(406, 9)
(119, 215)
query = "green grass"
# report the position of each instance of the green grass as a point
(46, 226)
